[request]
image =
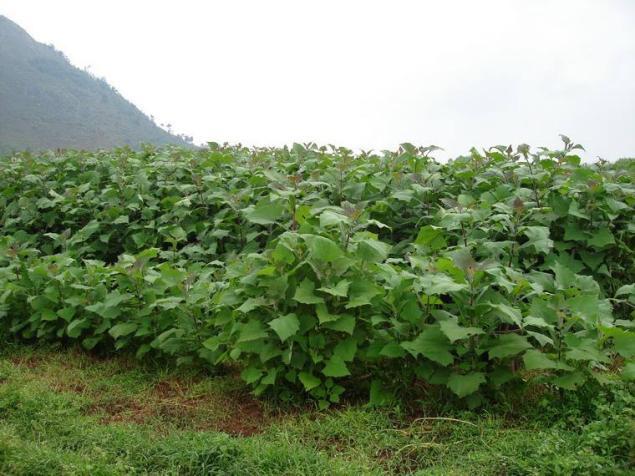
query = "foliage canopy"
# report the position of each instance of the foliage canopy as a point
(317, 269)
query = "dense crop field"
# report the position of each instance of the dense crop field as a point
(319, 271)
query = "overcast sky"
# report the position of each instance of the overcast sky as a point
(364, 74)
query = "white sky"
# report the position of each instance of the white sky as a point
(363, 74)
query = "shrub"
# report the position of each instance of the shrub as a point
(315, 268)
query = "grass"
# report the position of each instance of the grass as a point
(64, 411)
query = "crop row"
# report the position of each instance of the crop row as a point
(317, 268)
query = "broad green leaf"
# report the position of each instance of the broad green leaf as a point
(569, 381)
(270, 378)
(628, 372)
(304, 293)
(168, 303)
(615, 205)
(592, 260)
(343, 323)
(265, 213)
(535, 360)
(403, 195)
(392, 350)
(283, 254)
(463, 385)
(538, 238)
(509, 314)
(115, 299)
(90, 342)
(251, 375)
(346, 349)
(340, 289)
(500, 376)
(565, 278)
(108, 312)
(75, 328)
(625, 290)
(335, 367)
(379, 394)
(455, 332)
(542, 339)
(49, 315)
(439, 283)
(331, 218)
(576, 211)
(568, 260)
(584, 349)
(585, 306)
(507, 345)
(536, 322)
(572, 232)
(251, 304)
(124, 329)
(252, 330)
(600, 238)
(322, 249)
(170, 275)
(586, 353)
(432, 344)
(324, 315)
(624, 344)
(410, 310)
(178, 233)
(361, 292)
(285, 326)
(140, 238)
(213, 342)
(463, 259)
(268, 351)
(309, 380)
(66, 313)
(431, 237)
(373, 250)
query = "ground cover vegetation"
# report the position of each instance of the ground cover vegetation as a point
(68, 411)
(318, 271)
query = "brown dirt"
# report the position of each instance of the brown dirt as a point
(168, 401)
(74, 387)
(120, 411)
(29, 362)
(248, 420)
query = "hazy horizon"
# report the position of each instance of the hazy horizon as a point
(365, 75)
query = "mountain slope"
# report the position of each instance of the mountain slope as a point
(45, 102)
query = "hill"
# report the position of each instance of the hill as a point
(46, 102)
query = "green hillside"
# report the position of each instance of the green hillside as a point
(45, 102)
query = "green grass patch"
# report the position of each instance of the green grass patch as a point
(65, 411)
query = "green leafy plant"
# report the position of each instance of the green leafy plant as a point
(318, 270)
